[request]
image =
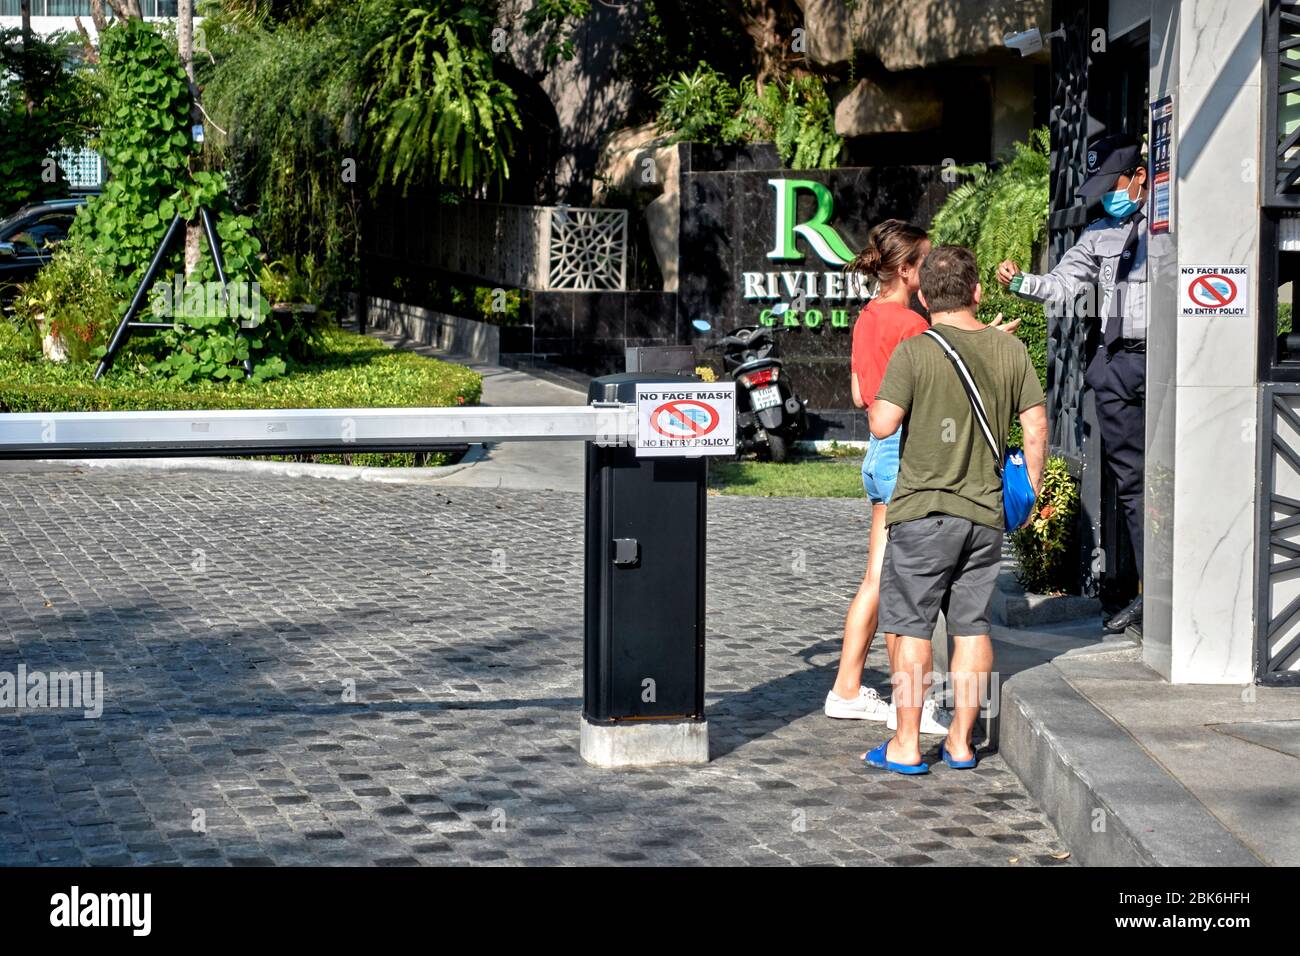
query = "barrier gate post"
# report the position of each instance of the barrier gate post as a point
(643, 653)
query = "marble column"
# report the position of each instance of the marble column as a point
(1201, 371)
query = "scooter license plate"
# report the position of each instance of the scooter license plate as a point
(768, 397)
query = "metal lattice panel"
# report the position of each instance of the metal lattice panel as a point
(1069, 419)
(587, 249)
(1277, 611)
(83, 167)
(522, 247)
(1067, 333)
(1284, 49)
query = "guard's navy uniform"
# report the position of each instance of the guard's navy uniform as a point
(1111, 255)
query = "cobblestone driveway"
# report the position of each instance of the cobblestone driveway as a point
(228, 615)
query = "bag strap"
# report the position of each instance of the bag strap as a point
(973, 393)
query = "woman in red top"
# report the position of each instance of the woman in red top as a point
(892, 258)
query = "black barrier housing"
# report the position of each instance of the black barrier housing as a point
(644, 578)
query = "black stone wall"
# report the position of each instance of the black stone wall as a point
(728, 224)
(727, 228)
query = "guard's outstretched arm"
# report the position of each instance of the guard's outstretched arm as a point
(1072, 277)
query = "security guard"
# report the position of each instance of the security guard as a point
(1110, 256)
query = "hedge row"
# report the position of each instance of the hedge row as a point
(354, 372)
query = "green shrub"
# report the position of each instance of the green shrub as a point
(292, 279)
(1001, 211)
(795, 114)
(698, 107)
(436, 107)
(71, 298)
(295, 281)
(1032, 331)
(1033, 323)
(1044, 548)
(493, 304)
(355, 372)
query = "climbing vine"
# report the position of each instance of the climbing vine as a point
(147, 144)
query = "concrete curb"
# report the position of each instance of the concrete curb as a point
(548, 372)
(438, 330)
(283, 469)
(1112, 804)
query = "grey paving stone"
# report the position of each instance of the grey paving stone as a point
(391, 676)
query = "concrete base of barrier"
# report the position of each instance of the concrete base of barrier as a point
(644, 743)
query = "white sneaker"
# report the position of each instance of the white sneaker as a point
(933, 719)
(868, 705)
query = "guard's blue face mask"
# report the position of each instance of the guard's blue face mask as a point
(1119, 204)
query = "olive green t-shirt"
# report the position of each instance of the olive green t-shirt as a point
(945, 464)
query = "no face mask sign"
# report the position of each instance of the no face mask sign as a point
(686, 420)
(1214, 291)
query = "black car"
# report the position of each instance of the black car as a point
(28, 238)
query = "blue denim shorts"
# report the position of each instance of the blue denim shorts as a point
(880, 468)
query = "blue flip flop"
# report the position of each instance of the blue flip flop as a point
(967, 764)
(878, 758)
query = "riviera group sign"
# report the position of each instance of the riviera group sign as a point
(760, 245)
(811, 297)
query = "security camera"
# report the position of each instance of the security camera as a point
(1030, 41)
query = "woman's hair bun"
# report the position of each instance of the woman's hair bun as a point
(891, 245)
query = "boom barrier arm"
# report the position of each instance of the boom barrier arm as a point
(302, 430)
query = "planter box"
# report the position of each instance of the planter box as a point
(1013, 606)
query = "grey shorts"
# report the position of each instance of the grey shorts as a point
(935, 563)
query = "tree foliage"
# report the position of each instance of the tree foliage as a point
(46, 102)
(556, 20)
(435, 107)
(673, 36)
(286, 95)
(1001, 211)
(322, 101)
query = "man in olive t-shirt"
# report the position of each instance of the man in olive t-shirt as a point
(945, 520)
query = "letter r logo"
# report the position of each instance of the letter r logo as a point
(817, 231)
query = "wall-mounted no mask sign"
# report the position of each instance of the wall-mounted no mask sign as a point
(1213, 291)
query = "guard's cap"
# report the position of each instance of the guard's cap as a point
(1106, 159)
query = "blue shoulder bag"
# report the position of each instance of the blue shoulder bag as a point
(1017, 491)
